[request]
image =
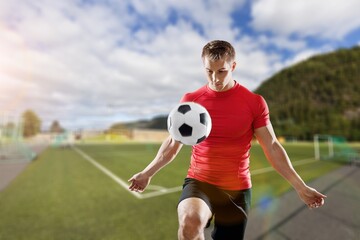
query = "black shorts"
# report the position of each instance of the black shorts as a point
(229, 208)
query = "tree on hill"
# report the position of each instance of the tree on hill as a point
(31, 123)
(56, 127)
(317, 96)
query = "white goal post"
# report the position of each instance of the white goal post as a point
(323, 146)
(328, 147)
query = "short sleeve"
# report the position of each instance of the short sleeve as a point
(262, 117)
(184, 98)
(187, 98)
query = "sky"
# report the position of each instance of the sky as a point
(91, 63)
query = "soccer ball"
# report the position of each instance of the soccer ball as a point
(189, 123)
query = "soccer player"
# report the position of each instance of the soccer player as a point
(218, 182)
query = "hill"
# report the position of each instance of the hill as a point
(158, 122)
(319, 95)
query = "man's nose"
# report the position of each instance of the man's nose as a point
(214, 78)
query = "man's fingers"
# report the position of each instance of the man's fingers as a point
(132, 185)
(135, 187)
(321, 201)
(317, 203)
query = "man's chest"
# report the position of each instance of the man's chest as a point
(229, 118)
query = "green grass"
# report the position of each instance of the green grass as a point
(63, 196)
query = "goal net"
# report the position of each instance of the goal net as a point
(63, 139)
(12, 146)
(328, 147)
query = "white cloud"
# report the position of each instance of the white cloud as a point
(77, 68)
(254, 67)
(282, 43)
(329, 19)
(92, 64)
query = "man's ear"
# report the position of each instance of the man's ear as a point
(233, 66)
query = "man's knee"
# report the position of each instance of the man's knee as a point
(191, 226)
(193, 217)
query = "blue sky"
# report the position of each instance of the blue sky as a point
(89, 64)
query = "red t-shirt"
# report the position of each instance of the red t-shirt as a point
(223, 158)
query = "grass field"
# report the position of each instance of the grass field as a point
(63, 195)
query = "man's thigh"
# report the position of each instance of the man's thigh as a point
(194, 208)
(194, 202)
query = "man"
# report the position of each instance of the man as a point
(218, 181)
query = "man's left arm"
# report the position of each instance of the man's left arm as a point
(280, 161)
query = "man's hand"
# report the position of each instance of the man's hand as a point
(139, 182)
(311, 197)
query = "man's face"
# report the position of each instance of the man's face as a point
(219, 74)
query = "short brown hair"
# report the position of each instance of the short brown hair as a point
(218, 49)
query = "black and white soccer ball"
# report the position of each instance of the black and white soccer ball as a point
(189, 123)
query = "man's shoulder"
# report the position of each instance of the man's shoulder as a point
(247, 93)
(192, 96)
(251, 98)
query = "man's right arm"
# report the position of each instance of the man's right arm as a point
(167, 152)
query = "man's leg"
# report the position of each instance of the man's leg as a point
(193, 215)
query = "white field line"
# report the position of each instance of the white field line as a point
(107, 172)
(270, 169)
(159, 190)
(156, 188)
